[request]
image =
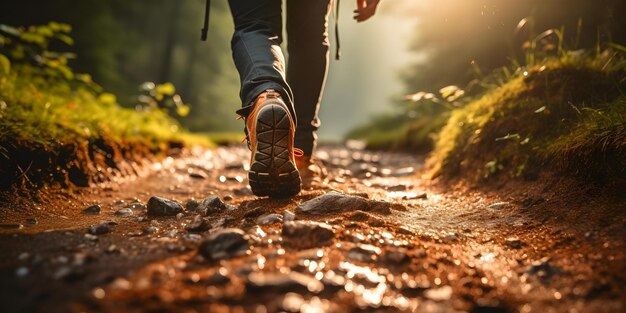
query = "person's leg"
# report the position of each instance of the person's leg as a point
(256, 50)
(307, 43)
(266, 97)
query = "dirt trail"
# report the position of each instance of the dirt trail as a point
(399, 243)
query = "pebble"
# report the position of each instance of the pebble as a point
(288, 216)
(513, 242)
(213, 204)
(99, 229)
(404, 230)
(451, 237)
(197, 175)
(32, 221)
(11, 226)
(269, 219)
(292, 281)
(398, 256)
(497, 206)
(397, 188)
(542, 268)
(158, 206)
(150, 230)
(307, 234)
(91, 237)
(191, 204)
(224, 244)
(94, 209)
(22, 271)
(124, 212)
(198, 224)
(334, 202)
(363, 253)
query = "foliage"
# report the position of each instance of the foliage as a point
(543, 117)
(562, 109)
(45, 105)
(125, 43)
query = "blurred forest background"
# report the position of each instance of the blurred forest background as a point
(412, 45)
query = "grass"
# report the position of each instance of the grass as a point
(48, 123)
(565, 113)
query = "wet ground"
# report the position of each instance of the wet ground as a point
(370, 237)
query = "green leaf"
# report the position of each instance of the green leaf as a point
(65, 39)
(5, 65)
(107, 98)
(166, 89)
(183, 110)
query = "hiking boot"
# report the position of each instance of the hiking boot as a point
(270, 131)
(311, 168)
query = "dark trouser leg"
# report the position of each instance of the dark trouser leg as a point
(256, 49)
(307, 43)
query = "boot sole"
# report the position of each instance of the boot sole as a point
(272, 172)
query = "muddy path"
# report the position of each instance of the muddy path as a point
(370, 237)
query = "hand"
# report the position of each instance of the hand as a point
(365, 9)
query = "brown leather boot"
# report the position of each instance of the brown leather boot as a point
(271, 131)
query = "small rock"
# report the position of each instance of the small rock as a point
(397, 188)
(91, 237)
(124, 212)
(22, 271)
(542, 268)
(11, 226)
(100, 229)
(222, 222)
(288, 216)
(439, 294)
(94, 209)
(150, 230)
(68, 274)
(179, 216)
(405, 171)
(513, 242)
(191, 204)
(212, 204)
(246, 191)
(497, 206)
(197, 175)
(198, 224)
(451, 237)
(32, 221)
(112, 249)
(363, 253)
(158, 206)
(228, 198)
(404, 230)
(224, 244)
(292, 281)
(269, 219)
(398, 256)
(307, 234)
(334, 202)
(23, 256)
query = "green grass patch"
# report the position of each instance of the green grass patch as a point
(565, 113)
(58, 125)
